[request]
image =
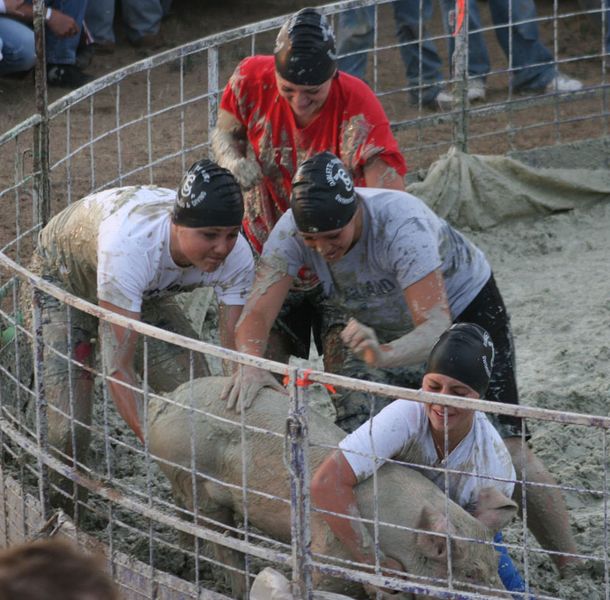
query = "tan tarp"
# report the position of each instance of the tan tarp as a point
(476, 191)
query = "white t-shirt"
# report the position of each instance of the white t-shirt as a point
(402, 241)
(401, 431)
(114, 246)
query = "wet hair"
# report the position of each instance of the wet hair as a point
(208, 196)
(52, 569)
(305, 49)
(464, 352)
(323, 196)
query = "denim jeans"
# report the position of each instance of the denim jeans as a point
(355, 33)
(63, 50)
(532, 65)
(16, 46)
(140, 18)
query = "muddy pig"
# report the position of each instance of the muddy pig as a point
(405, 496)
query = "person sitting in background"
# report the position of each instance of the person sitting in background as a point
(531, 64)
(459, 440)
(53, 570)
(62, 37)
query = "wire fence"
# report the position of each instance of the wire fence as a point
(162, 509)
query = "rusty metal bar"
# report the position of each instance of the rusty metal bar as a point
(297, 438)
(41, 405)
(42, 188)
(459, 24)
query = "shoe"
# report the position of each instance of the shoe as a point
(476, 92)
(84, 56)
(150, 41)
(66, 76)
(563, 83)
(103, 47)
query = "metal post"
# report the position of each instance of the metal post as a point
(459, 24)
(41, 405)
(42, 188)
(297, 432)
(213, 84)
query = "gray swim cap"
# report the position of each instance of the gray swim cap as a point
(305, 49)
(208, 196)
(464, 352)
(323, 196)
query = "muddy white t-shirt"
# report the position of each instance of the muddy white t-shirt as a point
(401, 431)
(402, 241)
(114, 246)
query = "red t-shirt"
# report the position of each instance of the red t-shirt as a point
(352, 124)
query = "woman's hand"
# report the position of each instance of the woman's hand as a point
(245, 385)
(362, 341)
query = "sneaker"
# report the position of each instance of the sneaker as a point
(563, 83)
(66, 76)
(84, 56)
(149, 41)
(476, 90)
(476, 93)
(103, 47)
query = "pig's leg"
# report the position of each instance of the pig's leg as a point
(231, 559)
(210, 514)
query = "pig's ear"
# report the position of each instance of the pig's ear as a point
(494, 509)
(432, 546)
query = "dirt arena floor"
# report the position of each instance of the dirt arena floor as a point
(552, 271)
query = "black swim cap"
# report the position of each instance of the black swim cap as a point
(208, 196)
(305, 49)
(465, 352)
(323, 197)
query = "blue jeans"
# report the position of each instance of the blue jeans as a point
(355, 33)
(17, 46)
(422, 62)
(532, 66)
(63, 50)
(140, 18)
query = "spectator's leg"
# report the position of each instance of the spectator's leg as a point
(418, 53)
(100, 21)
(532, 63)
(142, 20)
(63, 50)
(17, 45)
(478, 57)
(355, 34)
(166, 6)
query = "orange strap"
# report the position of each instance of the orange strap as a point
(459, 17)
(305, 381)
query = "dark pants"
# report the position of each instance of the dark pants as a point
(487, 310)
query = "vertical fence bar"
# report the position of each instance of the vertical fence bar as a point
(42, 189)
(298, 439)
(41, 405)
(213, 84)
(460, 72)
(606, 464)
